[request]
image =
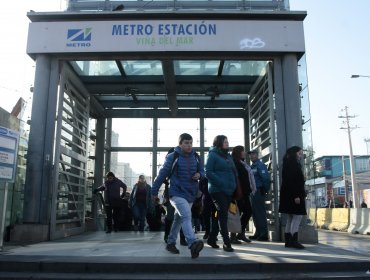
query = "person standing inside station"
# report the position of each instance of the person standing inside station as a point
(248, 185)
(263, 180)
(183, 191)
(114, 191)
(140, 202)
(292, 195)
(221, 175)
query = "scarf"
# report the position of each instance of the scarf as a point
(252, 182)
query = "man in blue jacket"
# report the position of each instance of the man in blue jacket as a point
(184, 171)
(263, 181)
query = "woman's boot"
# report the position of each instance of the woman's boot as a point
(288, 239)
(295, 243)
(233, 239)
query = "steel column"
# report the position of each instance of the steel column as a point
(292, 101)
(40, 144)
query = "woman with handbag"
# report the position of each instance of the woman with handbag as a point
(220, 172)
(248, 186)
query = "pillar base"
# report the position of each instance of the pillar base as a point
(29, 233)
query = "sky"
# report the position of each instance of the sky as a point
(337, 46)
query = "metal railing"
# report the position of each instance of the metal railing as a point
(177, 5)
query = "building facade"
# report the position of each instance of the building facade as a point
(331, 185)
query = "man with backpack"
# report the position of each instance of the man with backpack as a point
(183, 169)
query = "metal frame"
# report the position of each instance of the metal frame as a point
(262, 134)
(273, 5)
(70, 167)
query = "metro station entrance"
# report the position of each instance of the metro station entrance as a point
(109, 65)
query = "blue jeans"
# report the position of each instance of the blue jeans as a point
(259, 214)
(182, 218)
(139, 212)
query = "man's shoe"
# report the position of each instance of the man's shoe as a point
(172, 248)
(235, 241)
(206, 235)
(262, 238)
(241, 236)
(228, 248)
(213, 244)
(108, 231)
(183, 242)
(195, 248)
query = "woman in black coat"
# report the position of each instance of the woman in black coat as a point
(292, 195)
(248, 185)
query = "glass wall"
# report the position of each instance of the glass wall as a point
(169, 131)
(134, 139)
(306, 119)
(132, 133)
(232, 128)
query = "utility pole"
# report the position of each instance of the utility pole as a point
(348, 127)
(367, 141)
(345, 180)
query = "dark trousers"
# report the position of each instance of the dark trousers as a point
(209, 216)
(222, 202)
(113, 213)
(245, 208)
(139, 212)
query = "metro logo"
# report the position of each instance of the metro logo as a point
(79, 35)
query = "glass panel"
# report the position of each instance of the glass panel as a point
(127, 166)
(244, 68)
(305, 106)
(231, 128)
(307, 136)
(302, 72)
(197, 67)
(96, 68)
(169, 131)
(132, 132)
(140, 67)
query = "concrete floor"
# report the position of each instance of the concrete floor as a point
(135, 245)
(134, 255)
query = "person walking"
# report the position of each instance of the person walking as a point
(248, 186)
(114, 191)
(183, 191)
(170, 214)
(292, 195)
(140, 202)
(209, 210)
(154, 217)
(263, 180)
(221, 174)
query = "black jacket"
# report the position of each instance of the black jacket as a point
(292, 186)
(243, 177)
(112, 189)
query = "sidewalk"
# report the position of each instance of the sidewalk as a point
(134, 252)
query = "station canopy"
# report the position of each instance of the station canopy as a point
(171, 84)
